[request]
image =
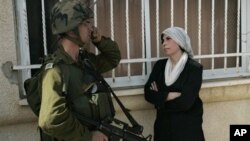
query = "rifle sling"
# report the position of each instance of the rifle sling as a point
(137, 127)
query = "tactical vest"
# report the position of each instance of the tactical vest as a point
(95, 100)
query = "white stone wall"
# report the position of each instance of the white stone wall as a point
(8, 92)
(19, 132)
(15, 121)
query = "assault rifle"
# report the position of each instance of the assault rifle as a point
(110, 127)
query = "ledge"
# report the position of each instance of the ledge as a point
(130, 92)
(225, 82)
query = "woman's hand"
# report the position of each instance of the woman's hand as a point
(153, 86)
(172, 95)
(98, 136)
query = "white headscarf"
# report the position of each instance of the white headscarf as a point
(180, 36)
(182, 39)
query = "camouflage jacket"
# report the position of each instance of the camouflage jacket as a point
(55, 117)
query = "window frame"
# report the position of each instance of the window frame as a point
(23, 64)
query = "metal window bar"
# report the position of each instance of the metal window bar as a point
(112, 31)
(95, 19)
(142, 60)
(186, 13)
(147, 36)
(112, 19)
(157, 28)
(225, 34)
(245, 4)
(212, 35)
(143, 38)
(95, 12)
(44, 29)
(172, 12)
(127, 36)
(238, 36)
(23, 41)
(199, 29)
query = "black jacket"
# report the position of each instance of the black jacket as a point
(179, 119)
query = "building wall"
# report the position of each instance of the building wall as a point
(224, 104)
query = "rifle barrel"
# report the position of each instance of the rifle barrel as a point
(112, 131)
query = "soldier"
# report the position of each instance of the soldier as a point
(74, 89)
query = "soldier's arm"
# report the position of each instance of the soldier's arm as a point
(109, 56)
(55, 119)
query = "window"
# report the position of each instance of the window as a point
(217, 30)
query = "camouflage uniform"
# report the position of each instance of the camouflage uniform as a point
(56, 118)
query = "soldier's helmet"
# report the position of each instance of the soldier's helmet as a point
(68, 14)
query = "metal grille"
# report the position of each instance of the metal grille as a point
(213, 26)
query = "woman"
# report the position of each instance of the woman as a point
(173, 87)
